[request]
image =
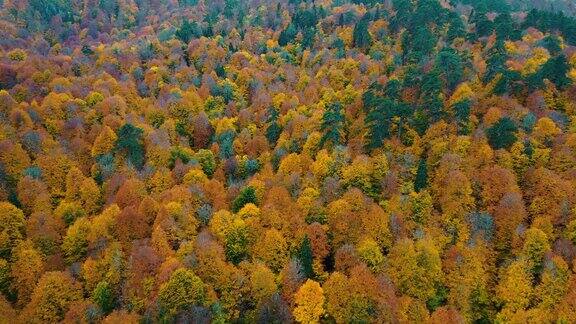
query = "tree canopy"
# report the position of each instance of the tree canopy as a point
(343, 161)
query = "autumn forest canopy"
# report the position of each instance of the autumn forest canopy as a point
(287, 161)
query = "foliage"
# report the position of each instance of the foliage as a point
(333, 122)
(130, 144)
(501, 134)
(12, 226)
(103, 296)
(361, 37)
(349, 161)
(52, 297)
(305, 257)
(421, 180)
(309, 302)
(246, 196)
(184, 289)
(207, 161)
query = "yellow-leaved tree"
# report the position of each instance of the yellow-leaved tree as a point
(104, 142)
(309, 302)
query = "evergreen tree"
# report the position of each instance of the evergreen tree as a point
(247, 195)
(340, 48)
(421, 180)
(231, 7)
(226, 142)
(505, 28)
(308, 38)
(462, 115)
(509, 82)
(449, 63)
(130, 143)
(553, 44)
(428, 12)
(333, 124)
(378, 122)
(501, 134)
(306, 258)
(361, 37)
(274, 129)
(48, 9)
(548, 21)
(383, 110)
(393, 89)
(305, 18)
(287, 35)
(457, 28)
(431, 95)
(484, 26)
(555, 70)
(420, 44)
(187, 31)
(496, 62)
(188, 2)
(103, 296)
(403, 9)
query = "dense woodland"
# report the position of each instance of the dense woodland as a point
(265, 161)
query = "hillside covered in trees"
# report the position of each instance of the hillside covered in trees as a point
(267, 161)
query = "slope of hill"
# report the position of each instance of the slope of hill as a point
(264, 161)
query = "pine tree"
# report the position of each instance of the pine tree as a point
(305, 256)
(378, 122)
(421, 180)
(501, 134)
(103, 296)
(419, 45)
(457, 27)
(186, 31)
(462, 115)
(333, 124)
(505, 29)
(431, 95)
(553, 44)
(274, 129)
(308, 38)
(403, 9)
(555, 70)
(361, 37)
(287, 35)
(383, 111)
(496, 62)
(131, 144)
(484, 26)
(451, 68)
(247, 195)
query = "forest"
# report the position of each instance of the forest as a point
(287, 161)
